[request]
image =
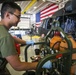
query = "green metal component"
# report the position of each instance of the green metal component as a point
(26, 49)
(29, 46)
(67, 53)
(50, 57)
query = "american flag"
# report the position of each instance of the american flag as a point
(48, 11)
(38, 24)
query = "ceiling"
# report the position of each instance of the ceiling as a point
(32, 6)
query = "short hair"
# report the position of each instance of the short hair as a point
(9, 6)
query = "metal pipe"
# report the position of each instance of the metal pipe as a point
(29, 5)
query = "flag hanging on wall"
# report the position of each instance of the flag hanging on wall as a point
(48, 11)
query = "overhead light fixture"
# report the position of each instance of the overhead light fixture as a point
(18, 4)
(55, 1)
(43, 0)
(35, 7)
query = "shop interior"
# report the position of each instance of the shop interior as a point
(54, 36)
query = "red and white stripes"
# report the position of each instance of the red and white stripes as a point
(48, 11)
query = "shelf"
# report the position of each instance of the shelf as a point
(62, 13)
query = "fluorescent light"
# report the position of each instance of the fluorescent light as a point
(35, 7)
(43, 0)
